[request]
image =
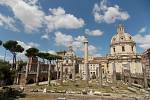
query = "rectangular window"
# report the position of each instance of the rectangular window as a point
(123, 49)
(132, 48)
(114, 49)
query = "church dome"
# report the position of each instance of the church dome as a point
(121, 36)
(122, 42)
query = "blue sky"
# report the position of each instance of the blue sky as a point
(52, 25)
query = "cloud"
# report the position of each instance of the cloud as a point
(92, 50)
(143, 29)
(103, 13)
(7, 22)
(32, 44)
(25, 46)
(57, 11)
(28, 45)
(93, 32)
(80, 38)
(97, 55)
(27, 12)
(52, 52)
(143, 41)
(58, 19)
(62, 39)
(33, 18)
(45, 36)
(76, 42)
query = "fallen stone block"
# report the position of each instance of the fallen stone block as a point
(97, 93)
(132, 89)
(106, 94)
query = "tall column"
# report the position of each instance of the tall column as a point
(122, 75)
(37, 73)
(61, 74)
(100, 76)
(144, 74)
(130, 73)
(73, 69)
(49, 73)
(28, 67)
(57, 69)
(145, 77)
(114, 73)
(86, 60)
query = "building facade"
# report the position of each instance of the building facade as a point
(123, 56)
(146, 61)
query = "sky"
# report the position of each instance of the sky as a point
(53, 25)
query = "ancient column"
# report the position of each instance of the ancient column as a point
(144, 76)
(122, 76)
(26, 74)
(29, 64)
(37, 73)
(49, 73)
(130, 74)
(86, 60)
(57, 69)
(61, 74)
(100, 76)
(114, 73)
(73, 74)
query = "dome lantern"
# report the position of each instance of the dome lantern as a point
(120, 29)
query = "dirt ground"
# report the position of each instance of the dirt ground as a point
(50, 96)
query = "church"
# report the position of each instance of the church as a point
(123, 56)
(122, 59)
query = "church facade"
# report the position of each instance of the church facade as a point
(123, 57)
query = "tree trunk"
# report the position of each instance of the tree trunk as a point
(14, 68)
(37, 73)
(49, 74)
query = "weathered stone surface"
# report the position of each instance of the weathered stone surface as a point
(97, 93)
(106, 94)
(132, 89)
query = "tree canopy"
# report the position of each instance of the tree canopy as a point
(32, 52)
(6, 75)
(13, 46)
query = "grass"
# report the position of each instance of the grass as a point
(79, 86)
